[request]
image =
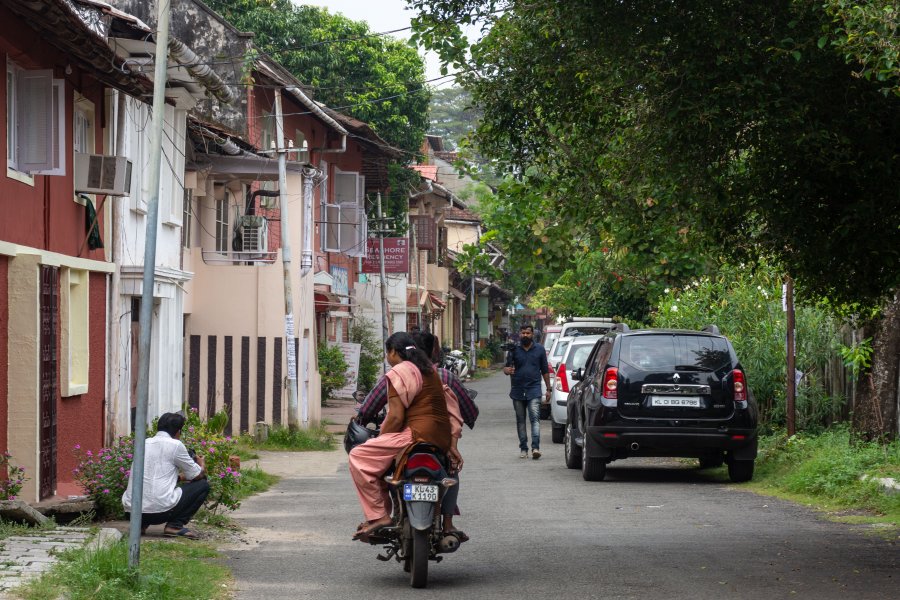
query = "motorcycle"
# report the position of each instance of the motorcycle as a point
(456, 362)
(416, 536)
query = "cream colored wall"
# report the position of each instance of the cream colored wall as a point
(459, 234)
(24, 372)
(437, 278)
(249, 300)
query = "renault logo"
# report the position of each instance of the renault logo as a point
(676, 377)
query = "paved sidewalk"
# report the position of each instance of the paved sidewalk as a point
(23, 557)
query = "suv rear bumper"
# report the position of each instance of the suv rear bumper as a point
(619, 442)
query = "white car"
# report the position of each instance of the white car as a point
(573, 357)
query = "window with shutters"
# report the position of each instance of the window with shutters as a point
(222, 224)
(344, 221)
(83, 134)
(35, 123)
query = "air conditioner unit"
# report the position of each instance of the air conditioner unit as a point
(98, 174)
(254, 234)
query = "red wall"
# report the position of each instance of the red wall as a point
(80, 418)
(4, 349)
(44, 215)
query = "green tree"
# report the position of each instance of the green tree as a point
(452, 115)
(375, 78)
(760, 136)
(332, 369)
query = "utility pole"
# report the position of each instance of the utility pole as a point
(146, 313)
(415, 248)
(293, 408)
(472, 321)
(385, 334)
(790, 399)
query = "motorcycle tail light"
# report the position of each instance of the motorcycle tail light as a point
(423, 461)
(739, 385)
(611, 383)
(562, 378)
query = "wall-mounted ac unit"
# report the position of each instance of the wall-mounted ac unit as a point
(98, 174)
(254, 234)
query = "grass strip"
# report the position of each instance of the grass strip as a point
(825, 470)
(282, 438)
(168, 571)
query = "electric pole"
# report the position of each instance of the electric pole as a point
(381, 230)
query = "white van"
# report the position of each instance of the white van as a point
(586, 326)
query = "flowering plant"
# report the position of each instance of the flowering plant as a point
(104, 475)
(208, 441)
(15, 477)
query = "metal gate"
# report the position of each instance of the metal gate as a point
(49, 378)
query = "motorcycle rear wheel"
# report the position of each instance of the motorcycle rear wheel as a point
(418, 560)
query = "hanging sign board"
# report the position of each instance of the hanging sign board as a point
(396, 256)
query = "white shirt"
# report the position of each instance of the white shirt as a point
(164, 456)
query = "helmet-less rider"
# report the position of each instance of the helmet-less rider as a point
(417, 412)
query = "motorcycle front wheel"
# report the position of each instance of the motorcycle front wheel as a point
(418, 561)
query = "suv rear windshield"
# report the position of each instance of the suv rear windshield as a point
(668, 352)
(559, 348)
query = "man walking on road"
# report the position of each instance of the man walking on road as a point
(527, 364)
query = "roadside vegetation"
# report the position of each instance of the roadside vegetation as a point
(283, 439)
(831, 471)
(169, 571)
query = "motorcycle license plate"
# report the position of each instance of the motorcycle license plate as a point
(419, 492)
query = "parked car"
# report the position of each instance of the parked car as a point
(661, 393)
(551, 332)
(574, 357)
(586, 326)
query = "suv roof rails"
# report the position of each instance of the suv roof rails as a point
(712, 329)
(578, 319)
(621, 327)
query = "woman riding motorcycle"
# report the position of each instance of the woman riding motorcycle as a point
(417, 412)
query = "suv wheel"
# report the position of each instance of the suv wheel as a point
(740, 470)
(711, 461)
(558, 432)
(592, 469)
(572, 450)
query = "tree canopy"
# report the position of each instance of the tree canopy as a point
(375, 78)
(666, 132)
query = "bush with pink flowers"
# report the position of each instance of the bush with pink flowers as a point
(11, 485)
(104, 474)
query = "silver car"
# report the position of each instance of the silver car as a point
(572, 357)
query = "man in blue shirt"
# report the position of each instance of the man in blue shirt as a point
(527, 364)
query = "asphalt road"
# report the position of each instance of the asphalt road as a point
(652, 529)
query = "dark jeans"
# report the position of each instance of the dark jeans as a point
(193, 494)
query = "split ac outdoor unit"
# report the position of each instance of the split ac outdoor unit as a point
(254, 234)
(98, 174)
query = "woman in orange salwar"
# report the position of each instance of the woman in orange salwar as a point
(416, 412)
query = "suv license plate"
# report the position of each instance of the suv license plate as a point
(418, 492)
(686, 401)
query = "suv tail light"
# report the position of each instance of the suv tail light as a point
(611, 383)
(562, 380)
(740, 386)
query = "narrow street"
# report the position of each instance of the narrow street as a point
(652, 529)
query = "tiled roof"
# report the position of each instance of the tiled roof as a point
(461, 214)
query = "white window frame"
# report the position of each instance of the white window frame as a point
(83, 119)
(75, 331)
(222, 229)
(186, 204)
(36, 108)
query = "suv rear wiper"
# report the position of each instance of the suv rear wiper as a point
(692, 368)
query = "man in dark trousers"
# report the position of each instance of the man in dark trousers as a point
(527, 364)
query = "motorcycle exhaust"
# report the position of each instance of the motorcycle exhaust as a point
(448, 544)
(635, 446)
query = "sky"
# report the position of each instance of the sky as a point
(383, 15)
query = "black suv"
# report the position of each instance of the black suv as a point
(660, 392)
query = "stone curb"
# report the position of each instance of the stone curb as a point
(889, 485)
